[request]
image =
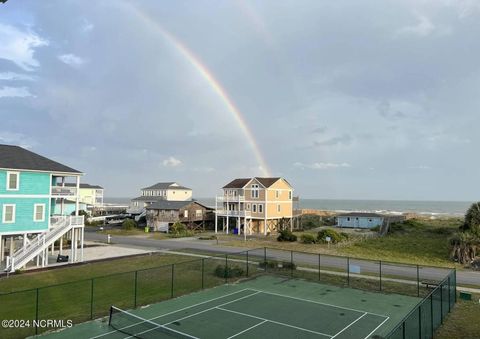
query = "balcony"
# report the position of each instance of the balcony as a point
(241, 214)
(231, 198)
(63, 191)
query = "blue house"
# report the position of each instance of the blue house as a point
(32, 208)
(360, 220)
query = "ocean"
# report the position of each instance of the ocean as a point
(433, 208)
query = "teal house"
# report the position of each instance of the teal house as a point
(33, 217)
(360, 220)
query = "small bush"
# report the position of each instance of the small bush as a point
(228, 272)
(289, 265)
(129, 224)
(334, 236)
(307, 238)
(267, 264)
(375, 229)
(344, 235)
(286, 235)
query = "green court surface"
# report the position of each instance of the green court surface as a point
(264, 307)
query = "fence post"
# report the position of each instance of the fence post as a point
(431, 312)
(265, 258)
(380, 275)
(203, 273)
(348, 271)
(420, 321)
(173, 275)
(36, 313)
(291, 263)
(91, 300)
(441, 303)
(418, 281)
(319, 266)
(247, 264)
(226, 269)
(455, 280)
(135, 291)
(449, 292)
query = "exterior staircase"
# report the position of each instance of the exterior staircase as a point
(60, 225)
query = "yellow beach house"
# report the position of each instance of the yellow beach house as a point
(254, 206)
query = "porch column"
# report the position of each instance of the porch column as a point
(12, 246)
(46, 256)
(53, 248)
(77, 201)
(216, 216)
(1, 248)
(72, 241)
(82, 235)
(61, 245)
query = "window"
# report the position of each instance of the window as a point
(198, 213)
(278, 208)
(248, 207)
(260, 208)
(8, 214)
(185, 214)
(289, 195)
(369, 220)
(348, 219)
(39, 212)
(12, 181)
(255, 191)
(277, 194)
(254, 208)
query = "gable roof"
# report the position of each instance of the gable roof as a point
(241, 183)
(171, 205)
(166, 185)
(237, 183)
(361, 214)
(85, 185)
(18, 158)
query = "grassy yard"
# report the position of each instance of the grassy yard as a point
(74, 273)
(462, 322)
(423, 242)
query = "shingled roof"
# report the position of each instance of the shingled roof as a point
(240, 183)
(18, 158)
(165, 186)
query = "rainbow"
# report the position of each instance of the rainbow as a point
(214, 84)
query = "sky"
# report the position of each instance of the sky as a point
(345, 99)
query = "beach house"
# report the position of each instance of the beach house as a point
(255, 206)
(162, 214)
(33, 217)
(170, 191)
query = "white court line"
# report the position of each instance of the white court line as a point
(181, 309)
(194, 314)
(273, 321)
(318, 302)
(248, 329)
(376, 328)
(364, 314)
(211, 308)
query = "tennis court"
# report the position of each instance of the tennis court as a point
(264, 307)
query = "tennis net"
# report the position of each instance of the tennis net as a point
(139, 327)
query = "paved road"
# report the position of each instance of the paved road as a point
(327, 262)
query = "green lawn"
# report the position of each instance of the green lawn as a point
(462, 322)
(423, 242)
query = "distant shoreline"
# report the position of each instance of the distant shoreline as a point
(421, 208)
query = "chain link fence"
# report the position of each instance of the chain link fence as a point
(89, 299)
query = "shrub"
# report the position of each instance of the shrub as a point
(129, 224)
(178, 228)
(307, 238)
(289, 265)
(228, 272)
(286, 235)
(267, 264)
(375, 229)
(334, 236)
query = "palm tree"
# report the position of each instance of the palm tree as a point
(472, 219)
(465, 246)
